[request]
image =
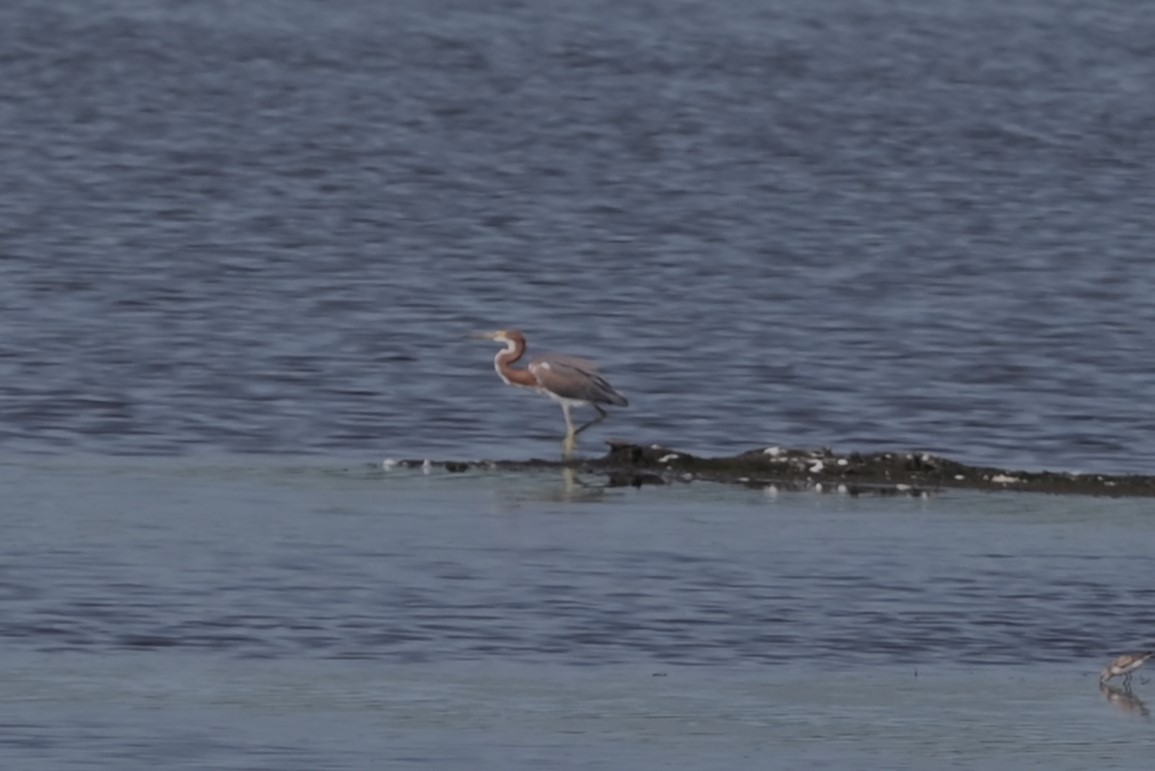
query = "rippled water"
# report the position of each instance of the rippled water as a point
(231, 233)
(263, 227)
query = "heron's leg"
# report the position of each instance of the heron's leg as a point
(570, 434)
(602, 415)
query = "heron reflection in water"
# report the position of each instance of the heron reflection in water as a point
(569, 381)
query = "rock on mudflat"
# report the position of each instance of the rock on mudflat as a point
(820, 469)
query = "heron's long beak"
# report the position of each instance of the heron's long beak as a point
(481, 336)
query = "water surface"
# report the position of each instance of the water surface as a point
(239, 246)
(265, 614)
(264, 226)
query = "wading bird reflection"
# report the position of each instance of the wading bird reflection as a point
(569, 381)
(1123, 700)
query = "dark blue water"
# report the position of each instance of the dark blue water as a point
(264, 226)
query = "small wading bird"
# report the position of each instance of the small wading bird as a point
(1124, 665)
(569, 381)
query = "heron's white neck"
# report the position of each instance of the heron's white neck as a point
(514, 349)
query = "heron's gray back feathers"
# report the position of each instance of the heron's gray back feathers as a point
(573, 378)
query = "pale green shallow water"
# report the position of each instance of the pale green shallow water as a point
(190, 711)
(295, 614)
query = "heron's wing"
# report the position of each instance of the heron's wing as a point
(572, 378)
(577, 362)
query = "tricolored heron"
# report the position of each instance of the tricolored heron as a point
(569, 381)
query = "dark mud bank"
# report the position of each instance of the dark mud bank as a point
(821, 470)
